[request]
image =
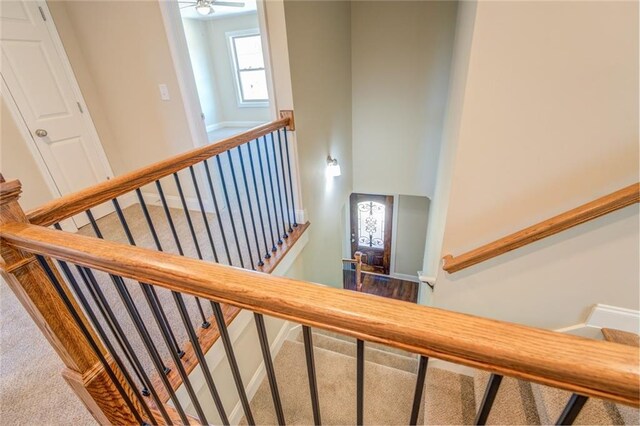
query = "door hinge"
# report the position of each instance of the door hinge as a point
(80, 108)
(44, 18)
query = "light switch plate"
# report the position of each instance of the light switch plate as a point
(164, 92)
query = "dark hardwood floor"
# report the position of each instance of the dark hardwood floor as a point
(393, 288)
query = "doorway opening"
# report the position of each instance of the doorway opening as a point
(227, 55)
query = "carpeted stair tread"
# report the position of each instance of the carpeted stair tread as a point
(514, 403)
(373, 352)
(388, 394)
(551, 401)
(448, 398)
(378, 346)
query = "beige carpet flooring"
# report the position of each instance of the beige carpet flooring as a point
(32, 391)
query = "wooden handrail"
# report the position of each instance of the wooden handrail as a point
(589, 367)
(586, 212)
(77, 202)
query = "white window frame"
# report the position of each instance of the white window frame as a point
(230, 35)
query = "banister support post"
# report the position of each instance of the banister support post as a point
(29, 282)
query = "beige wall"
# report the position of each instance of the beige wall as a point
(318, 36)
(411, 228)
(549, 120)
(119, 53)
(16, 162)
(401, 55)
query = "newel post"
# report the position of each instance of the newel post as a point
(29, 282)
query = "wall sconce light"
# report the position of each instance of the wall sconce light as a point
(333, 168)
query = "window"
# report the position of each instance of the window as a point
(371, 224)
(251, 78)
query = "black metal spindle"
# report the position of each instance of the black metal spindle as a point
(127, 231)
(246, 188)
(174, 232)
(293, 203)
(226, 198)
(98, 232)
(268, 363)
(488, 398)
(359, 382)
(174, 355)
(242, 220)
(200, 356)
(311, 373)
(215, 205)
(147, 216)
(185, 208)
(284, 182)
(266, 197)
(83, 329)
(572, 409)
(147, 341)
(123, 342)
(204, 213)
(275, 170)
(273, 192)
(417, 394)
(255, 187)
(231, 357)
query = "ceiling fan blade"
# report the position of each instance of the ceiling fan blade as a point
(227, 3)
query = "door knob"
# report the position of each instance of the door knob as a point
(41, 133)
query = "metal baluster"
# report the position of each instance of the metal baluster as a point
(141, 328)
(359, 381)
(204, 213)
(174, 355)
(201, 358)
(187, 215)
(215, 205)
(255, 187)
(147, 216)
(268, 363)
(231, 357)
(275, 169)
(488, 398)
(311, 373)
(226, 198)
(266, 197)
(253, 222)
(417, 394)
(273, 192)
(121, 338)
(167, 213)
(98, 233)
(244, 223)
(284, 182)
(65, 299)
(572, 409)
(293, 203)
(127, 231)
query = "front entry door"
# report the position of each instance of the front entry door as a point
(371, 221)
(42, 89)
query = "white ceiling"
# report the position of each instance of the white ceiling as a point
(189, 11)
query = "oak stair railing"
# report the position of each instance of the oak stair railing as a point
(46, 267)
(574, 217)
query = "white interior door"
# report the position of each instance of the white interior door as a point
(44, 91)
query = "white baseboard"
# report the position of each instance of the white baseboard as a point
(405, 277)
(252, 387)
(223, 124)
(605, 316)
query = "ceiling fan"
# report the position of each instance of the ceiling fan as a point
(205, 7)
